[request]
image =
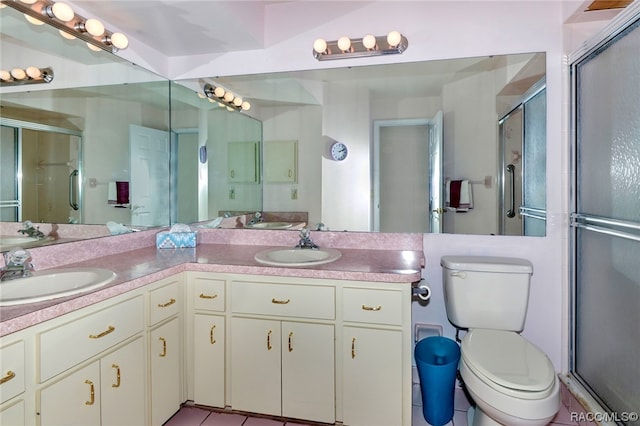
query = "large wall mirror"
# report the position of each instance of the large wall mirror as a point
(89, 148)
(454, 146)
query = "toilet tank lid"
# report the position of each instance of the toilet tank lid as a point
(512, 265)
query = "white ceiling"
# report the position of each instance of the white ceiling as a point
(196, 27)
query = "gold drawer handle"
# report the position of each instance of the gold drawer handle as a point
(117, 383)
(206, 296)
(92, 398)
(169, 303)
(269, 347)
(111, 329)
(371, 308)
(10, 375)
(164, 347)
(211, 339)
(353, 348)
(280, 302)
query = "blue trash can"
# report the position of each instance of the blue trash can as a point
(437, 361)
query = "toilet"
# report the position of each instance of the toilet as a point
(510, 380)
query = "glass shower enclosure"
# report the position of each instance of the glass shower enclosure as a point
(40, 173)
(606, 222)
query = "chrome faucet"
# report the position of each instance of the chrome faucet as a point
(257, 218)
(305, 240)
(17, 265)
(31, 231)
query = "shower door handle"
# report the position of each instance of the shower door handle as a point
(73, 201)
(511, 171)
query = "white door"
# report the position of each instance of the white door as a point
(407, 174)
(149, 189)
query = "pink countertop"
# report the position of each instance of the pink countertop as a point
(387, 258)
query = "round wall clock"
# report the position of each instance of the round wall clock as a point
(338, 151)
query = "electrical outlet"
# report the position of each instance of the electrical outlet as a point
(294, 193)
(232, 194)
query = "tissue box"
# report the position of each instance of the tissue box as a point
(173, 240)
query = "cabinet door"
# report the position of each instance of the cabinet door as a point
(243, 162)
(122, 379)
(208, 353)
(13, 415)
(372, 377)
(74, 400)
(164, 348)
(255, 366)
(281, 161)
(308, 385)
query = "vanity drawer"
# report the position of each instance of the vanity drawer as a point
(12, 371)
(208, 294)
(372, 306)
(305, 301)
(165, 301)
(71, 343)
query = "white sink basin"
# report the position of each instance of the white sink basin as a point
(297, 257)
(8, 242)
(46, 285)
(270, 225)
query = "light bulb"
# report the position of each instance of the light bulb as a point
(92, 47)
(228, 96)
(67, 35)
(62, 11)
(119, 40)
(94, 27)
(394, 38)
(34, 72)
(28, 1)
(245, 106)
(344, 43)
(218, 91)
(18, 74)
(33, 20)
(237, 101)
(5, 75)
(369, 41)
(320, 46)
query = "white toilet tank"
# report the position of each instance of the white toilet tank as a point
(486, 292)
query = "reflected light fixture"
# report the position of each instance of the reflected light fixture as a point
(61, 16)
(29, 75)
(369, 45)
(225, 98)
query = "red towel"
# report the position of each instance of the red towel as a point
(454, 193)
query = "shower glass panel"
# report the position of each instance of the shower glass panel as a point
(9, 193)
(534, 166)
(606, 271)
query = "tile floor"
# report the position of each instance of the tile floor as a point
(197, 416)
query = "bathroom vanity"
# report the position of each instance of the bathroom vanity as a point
(329, 343)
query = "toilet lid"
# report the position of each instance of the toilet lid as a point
(506, 358)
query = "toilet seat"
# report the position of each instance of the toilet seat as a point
(508, 363)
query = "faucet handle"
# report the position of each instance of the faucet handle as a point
(17, 257)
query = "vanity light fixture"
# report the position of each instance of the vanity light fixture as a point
(369, 45)
(61, 16)
(225, 98)
(29, 75)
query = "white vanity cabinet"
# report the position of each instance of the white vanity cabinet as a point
(12, 383)
(283, 349)
(376, 355)
(110, 391)
(100, 392)
(206, 296)
(166, 299)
